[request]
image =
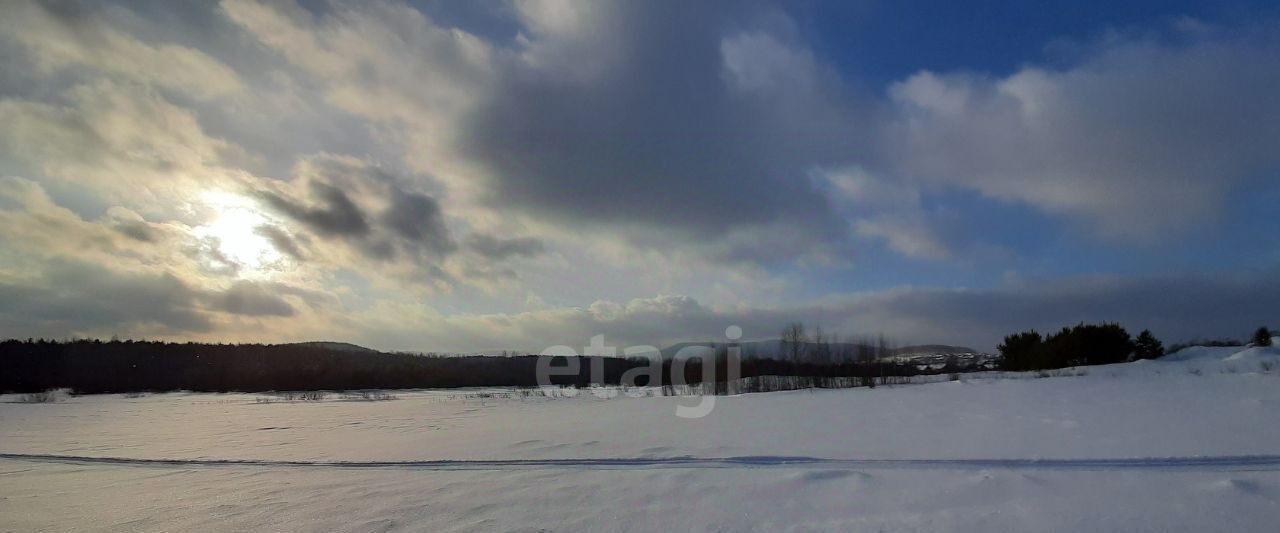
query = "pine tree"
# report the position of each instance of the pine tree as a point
(1021, 351)
(1262, 337)
(1147, 346)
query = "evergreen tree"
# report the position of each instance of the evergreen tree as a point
(1021, 351)
(1147, 346)
(1262, 337)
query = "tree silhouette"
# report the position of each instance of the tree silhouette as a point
(1262, 337)
(1147, 346)
(793, 342)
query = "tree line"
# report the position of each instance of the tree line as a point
(1093, 344)
(95, 366)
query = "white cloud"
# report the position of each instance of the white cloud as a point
(906, 235)
(62, 39)
(885, 209)
(1140, 138)
(127, 143)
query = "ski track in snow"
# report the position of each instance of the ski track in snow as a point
(1201, 463)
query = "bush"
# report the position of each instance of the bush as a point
(1262, 337)
(368, 396)
(301, 396)
(49, 396)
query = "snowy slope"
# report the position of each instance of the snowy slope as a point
(1190, 442)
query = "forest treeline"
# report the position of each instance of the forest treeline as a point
(1094, 344)
(804, 360)
(94, 366)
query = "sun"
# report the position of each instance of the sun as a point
(234, 232)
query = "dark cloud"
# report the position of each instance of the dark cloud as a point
(280, 240)
(339, 216)
(417, 218)
(251, 299)
(499, 248)
(76, 298)
(73, 298)
(136, 230)
(636, 121)
(377, 213)
(1175, 308)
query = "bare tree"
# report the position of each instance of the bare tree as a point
(793, 342)
(821, 347)
(845, 351)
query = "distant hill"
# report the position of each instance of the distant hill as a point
(334, 346)
(933, 349)
(772, 348)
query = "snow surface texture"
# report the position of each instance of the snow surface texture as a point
(1187, 443)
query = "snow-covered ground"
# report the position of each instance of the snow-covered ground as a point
(1187, 443)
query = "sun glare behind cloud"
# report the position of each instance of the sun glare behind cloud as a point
(234, 234)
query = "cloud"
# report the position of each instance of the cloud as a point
(1175, 308)
(251, 299)
(383, 60)
(663, 163)
(677, 157)
(500, 248)
(132, 225)
(125, 143)
(281, 240)
(417, 218)
(616, 146)
(62, 37)
(69, 298)
(337, 216)
(32, 224)
(906, 235)
(351, 200)
(883, 208)
(1140, 137)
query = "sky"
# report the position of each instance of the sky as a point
(467, 176)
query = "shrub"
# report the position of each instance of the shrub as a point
(368, 396)
(304, 396)
(314, 396)
(49, 396)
